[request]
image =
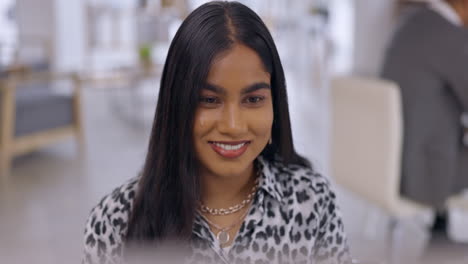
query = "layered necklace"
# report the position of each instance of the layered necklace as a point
(222, 234)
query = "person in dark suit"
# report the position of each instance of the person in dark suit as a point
(428, 58)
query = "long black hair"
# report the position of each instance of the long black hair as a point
(166, 202)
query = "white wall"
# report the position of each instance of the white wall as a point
(69, 35)
(374, 22)
(35, 17)
(35, 21)
(8, 33)
(106, 55)
(360, 30)
(342, 33)
(57, 22)
(64, 24)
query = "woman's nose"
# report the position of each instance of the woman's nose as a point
(232, 121)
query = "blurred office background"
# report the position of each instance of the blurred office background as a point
(83, 105)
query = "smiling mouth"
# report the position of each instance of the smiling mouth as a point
(230, 149)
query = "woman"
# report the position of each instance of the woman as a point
(221, 175)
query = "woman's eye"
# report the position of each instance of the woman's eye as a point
(254, 99)
(209, 100)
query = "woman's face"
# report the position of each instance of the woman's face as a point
(235, 113)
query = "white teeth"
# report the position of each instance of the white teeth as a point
(229, 147)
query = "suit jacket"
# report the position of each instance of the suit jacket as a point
(428, 58)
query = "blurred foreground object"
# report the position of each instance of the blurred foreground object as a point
(366, 141)
(36, 111)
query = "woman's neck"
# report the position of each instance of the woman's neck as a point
(223, 192)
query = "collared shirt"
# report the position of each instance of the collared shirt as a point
(446, 11)
(293, 219)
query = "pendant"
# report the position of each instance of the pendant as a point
(223, 237)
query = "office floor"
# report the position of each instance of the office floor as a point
(44, 204)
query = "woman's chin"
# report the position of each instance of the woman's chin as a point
(228, 168)
(231, 169)
(229, 173)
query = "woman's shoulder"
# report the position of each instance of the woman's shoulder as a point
(116, 206)
(301, 177)
(310, 202)
(304, 187)
(107, 223)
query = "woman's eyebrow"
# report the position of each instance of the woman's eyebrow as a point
(254, 87)
(214, 88)
(251, 88)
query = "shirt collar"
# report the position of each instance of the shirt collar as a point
(446, 11)
(268, 178)
(268, 182)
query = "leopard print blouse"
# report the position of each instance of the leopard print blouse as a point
(293, 219)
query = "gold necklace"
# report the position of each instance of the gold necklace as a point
(234, 208)
(223, 235)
